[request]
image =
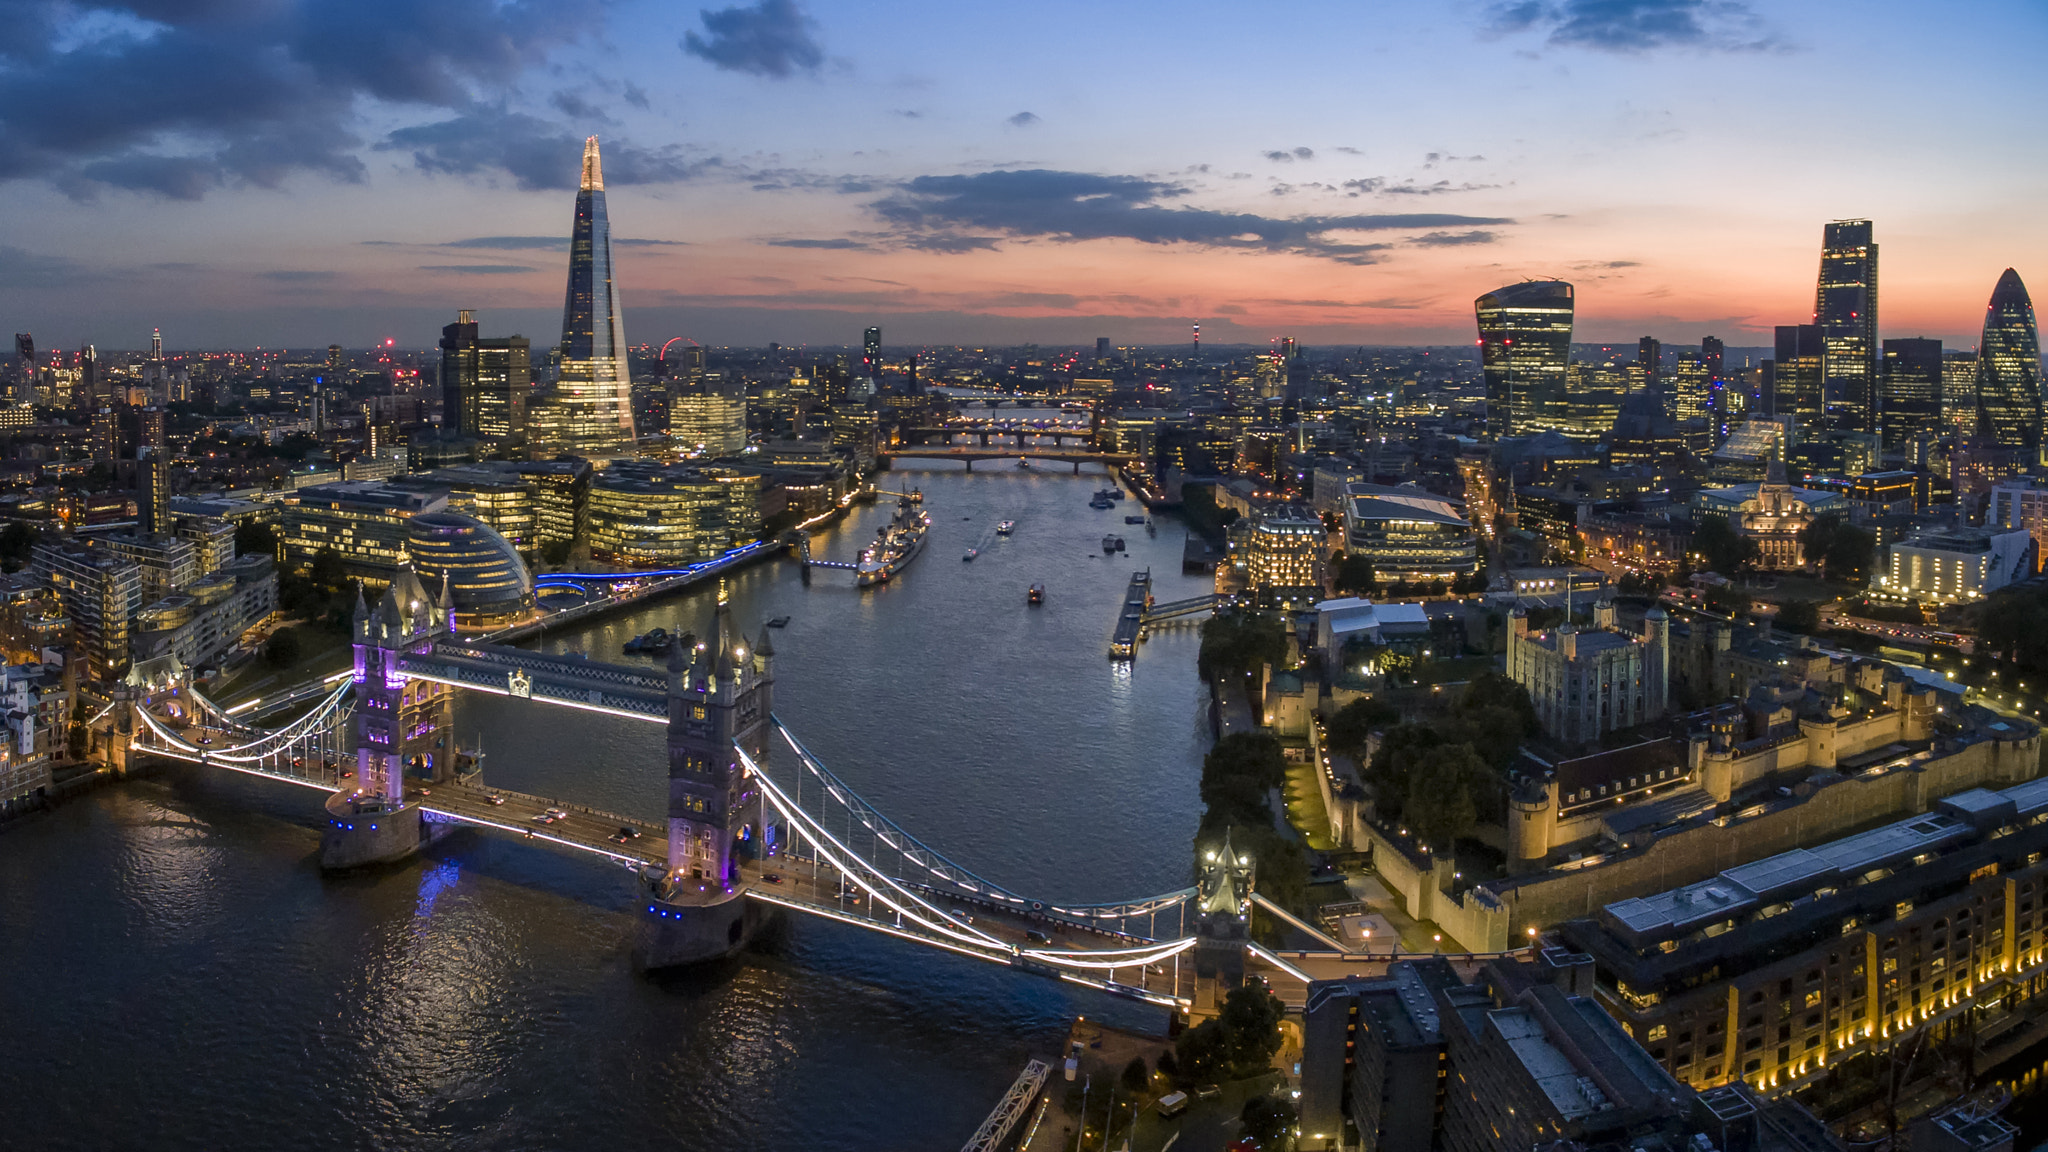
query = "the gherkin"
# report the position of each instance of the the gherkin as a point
(2009, 368)
(589, 412)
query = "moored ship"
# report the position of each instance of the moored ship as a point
(896, 544)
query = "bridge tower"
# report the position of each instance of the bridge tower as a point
(720, 694)
(400, 723)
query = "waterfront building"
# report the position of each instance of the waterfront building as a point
(100, 593)
(488, 585)
(589, 410)
(708, 417)
(2009, 369)
(1845, 311)
(1912, 374)
(1407, 533)
(1284, 550)
(856, 430)
(484, 384)
(1792, 381)
(34, 707)
(1957, 564)
(1525, 339)
(166, 563)
(200, 622)
(648, 515)
(1584, 683)
(1775, 970)
(364, 522)
(212, 540)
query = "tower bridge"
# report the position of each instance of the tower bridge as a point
(755, 823)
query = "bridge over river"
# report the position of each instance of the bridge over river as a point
(756, 824)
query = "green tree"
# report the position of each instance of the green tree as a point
(1251, 1025)
(252, 539)
(1267, 1120)
(17, 544)
(1354, 575)
(1725, 551)
(327, 572)
(1818, 536)
(1236, 643)
(1349, 727)
(1135, 1079)
(1849, 555)
(283, 648)
(556, 552)
(1439, 806)
(1798, 616)
(1203, 1052)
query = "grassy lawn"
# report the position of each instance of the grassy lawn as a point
(322, 653)
(1305, 808)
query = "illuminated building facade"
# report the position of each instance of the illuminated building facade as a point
(1912, 389)
(708, 418)
(1845, 310)
(1792, 381)
(658, 516)
(1958, 564)
(589, 411)
(1283, 558)
(2009, 368)
(101, 594)
(363, 521)
(1525, 342)
(1959, 390)
(484, 384)
(488, 585)
(1406, 533)
(1584, 683)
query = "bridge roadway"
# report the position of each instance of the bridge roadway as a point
(970, 455)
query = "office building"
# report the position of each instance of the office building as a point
(1792, 380)
(200, 622)
(212, 540)
(1283, 552)
(708, 417)
(165, 562)
(100, 593)
(1587, 682)
(1525, 339)
(1957, 564)
(1774, 971)
(484, 384)
(1407, 533)
(488, 585)
(871, 353)
(2009, 369)
(1912, 389)
(2022, 503)
(1959, 390)
(589, 410)
(1845, 311)
(1692, 390)
(659, 516)
(1772, 514)
(363, 521)
(1714, 354)
(1649, 362)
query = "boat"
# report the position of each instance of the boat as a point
(1134, 519)
(1036, 595)
(1023, 463)
(1119, 543)
(1109, 544)
(971, 554)
(1111, 493)
(896, 544)
(650, 644)
(1151, 529)
(917, 496)
(779, 622)
(1006, 527)
(1101, 501)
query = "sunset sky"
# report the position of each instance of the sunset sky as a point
(304, 171)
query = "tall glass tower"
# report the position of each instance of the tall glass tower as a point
(590, 411)
(1525, 342)
(2009, 367)
(1845, 309)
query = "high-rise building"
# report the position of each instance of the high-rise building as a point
(1792, 380)
(1650, 358)
(484, 383)
(871, 353)
(104, 436)
(1693, 391)
(1525, 341)
(88, 376)
(334, 364)
(1713, 353)
(1101, 350)
(708, 417)
(1959, 390)
(1912, 388)
(1845, 308)
(2009, 367)
(101, 593)
(589, 411)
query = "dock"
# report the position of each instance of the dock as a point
(1130, 620)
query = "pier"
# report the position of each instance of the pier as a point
(1130, 619)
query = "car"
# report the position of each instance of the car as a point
(347, 775)
(628, 833)
(618, 839)
(1207, 1091)
(558, 813)
(494, 799)
(1036, 937)
(961, 915)
(544, 818)
(773, 877)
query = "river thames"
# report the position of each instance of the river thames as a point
(180, 975)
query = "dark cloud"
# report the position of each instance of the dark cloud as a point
(1602, 265)
(635, 95)
(1290, 155)
(1070, 206)
(20, 268)
(508, 243)
(298, 276)
(770, 38)
(575, 107)
(642, 242)
(535, 153)
(1453, 239)
(176, 98)
(1632, 26)
(907, 113)
(1022, 120)
(1381, 186)
(839, 243)
(952, 245)
(477, 269)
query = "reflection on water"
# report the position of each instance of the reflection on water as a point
(178, 965)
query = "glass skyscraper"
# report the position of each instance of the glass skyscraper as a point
(1792, 379)
(1845, 308)
(1525, 342)
(2009, 367)
(484, 382)
(589, 412)
(1912, 389)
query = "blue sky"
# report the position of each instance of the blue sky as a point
(300, 171)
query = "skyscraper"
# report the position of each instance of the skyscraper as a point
(1792, 384)
(1845, 308)
(484, 382)
(1525, 341)
(2009, 367)
(1712, 354)
(1650, 358)
(1912, 389)
(589, 411)
(1959, 390)
(707, 416)
(871, 352)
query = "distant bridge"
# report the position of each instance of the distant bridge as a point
(967, 455)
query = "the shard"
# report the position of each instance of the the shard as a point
(589, 411)
(2009, 368)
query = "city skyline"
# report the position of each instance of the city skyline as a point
(794, 173)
